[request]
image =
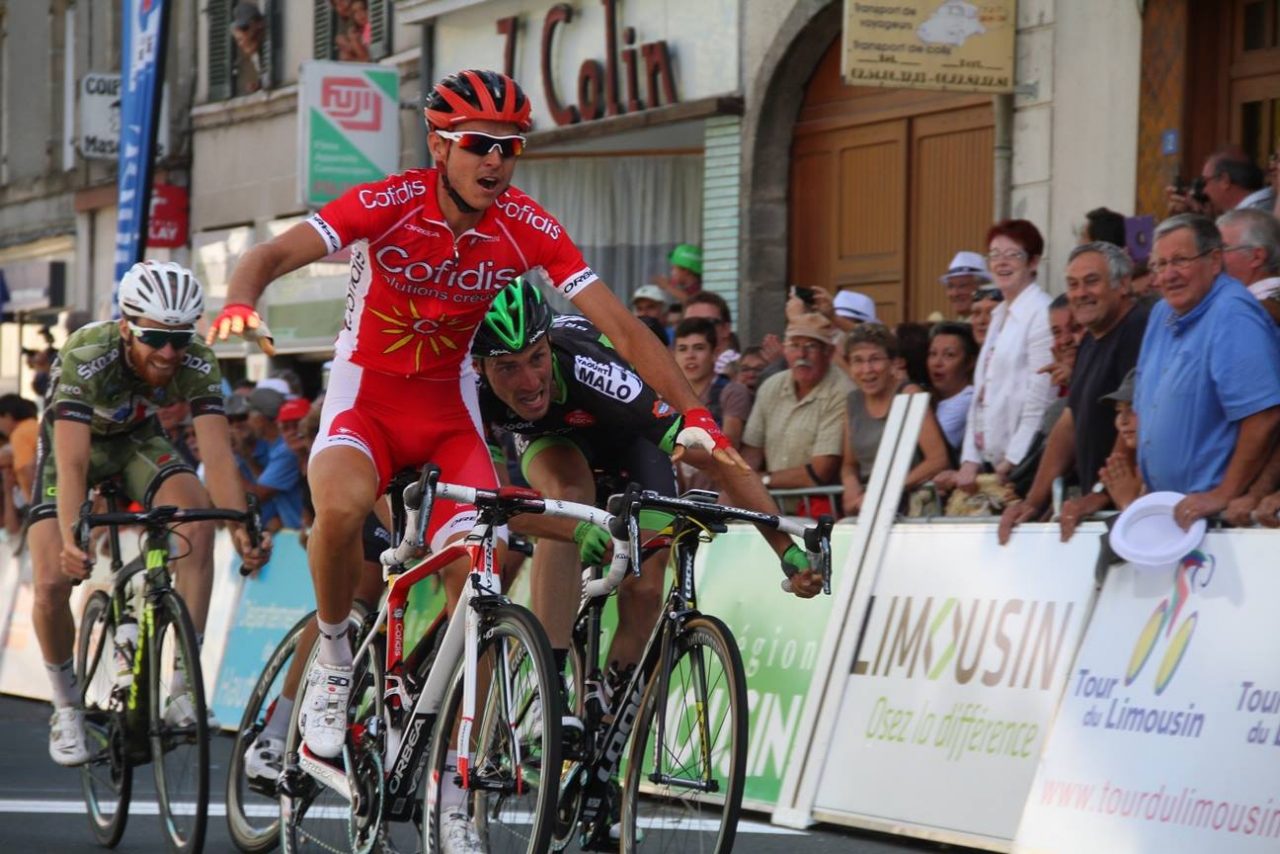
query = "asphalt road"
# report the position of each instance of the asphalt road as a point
(41, 807)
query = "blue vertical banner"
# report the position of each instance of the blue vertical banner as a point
(146, 29)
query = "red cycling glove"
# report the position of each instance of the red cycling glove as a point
(699, 430)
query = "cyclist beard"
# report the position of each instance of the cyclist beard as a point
(151, 374)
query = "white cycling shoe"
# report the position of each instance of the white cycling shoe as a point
(264, 759)
(323, 714)
(458, 833)
(180, 712)
(66, 737)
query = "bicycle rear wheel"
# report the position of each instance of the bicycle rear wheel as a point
(107, 778)
(253, 812)
(514, 746)
(179, 725)
(315, 817)
(687, 764)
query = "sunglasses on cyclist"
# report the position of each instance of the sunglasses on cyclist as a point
(158, 338)
(480, 144)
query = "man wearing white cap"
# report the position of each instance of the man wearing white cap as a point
(649, 301)
(795, 434)
(852, 308)
(968, 272)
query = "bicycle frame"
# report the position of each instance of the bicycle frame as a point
(405, 743)
(656, 659)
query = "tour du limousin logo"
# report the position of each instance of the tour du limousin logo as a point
(1194, 571)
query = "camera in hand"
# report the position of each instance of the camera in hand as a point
(805, 294)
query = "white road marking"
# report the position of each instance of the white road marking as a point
(65, 807)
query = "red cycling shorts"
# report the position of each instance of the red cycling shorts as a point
(401, 422)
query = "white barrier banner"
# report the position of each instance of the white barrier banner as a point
(963, 655)
(1169, 732)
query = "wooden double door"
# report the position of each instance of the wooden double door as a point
(886, 186)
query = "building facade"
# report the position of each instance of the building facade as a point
(657, 122)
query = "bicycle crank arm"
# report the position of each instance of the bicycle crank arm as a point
(325, 774)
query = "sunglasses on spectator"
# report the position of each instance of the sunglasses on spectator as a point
(481, 144)
(158, 338)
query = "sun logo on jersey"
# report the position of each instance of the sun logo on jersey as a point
(421, 331)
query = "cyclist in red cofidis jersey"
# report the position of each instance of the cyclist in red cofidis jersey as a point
(430, 250)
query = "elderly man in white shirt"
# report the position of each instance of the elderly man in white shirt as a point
(1251, 249)
(1010, 394)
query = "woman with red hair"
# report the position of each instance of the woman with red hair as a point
(1010, 395)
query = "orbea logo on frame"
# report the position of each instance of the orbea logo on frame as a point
(1194, 571)
(352, 102)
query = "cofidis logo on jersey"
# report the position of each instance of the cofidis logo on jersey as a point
(1167, 627)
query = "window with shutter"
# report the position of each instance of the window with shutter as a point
(322, 44)
(270, 53)
(219, 51)
(379, 29)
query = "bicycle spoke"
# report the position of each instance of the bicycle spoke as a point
(178, 726)
(685, 774)
(106, 779)
(514, 742)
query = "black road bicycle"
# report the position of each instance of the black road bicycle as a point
(684, 710)
(156, 711)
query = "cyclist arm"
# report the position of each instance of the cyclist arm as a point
(71, 446)
(268, 261)
(213, 436)
(742, 488)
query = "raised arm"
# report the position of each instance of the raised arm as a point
(259, 267)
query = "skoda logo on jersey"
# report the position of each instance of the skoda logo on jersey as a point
(607, 378)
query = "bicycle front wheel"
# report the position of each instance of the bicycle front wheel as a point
(107, 778)
(514, 745)
(253, 813)
(687, 765)
(179, 725)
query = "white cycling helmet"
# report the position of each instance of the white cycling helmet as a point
(162, 291)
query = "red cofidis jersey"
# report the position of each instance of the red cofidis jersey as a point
(417, 291)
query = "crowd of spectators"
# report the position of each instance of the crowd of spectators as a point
(1156, 368)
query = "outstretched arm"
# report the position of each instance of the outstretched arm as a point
(259, 267)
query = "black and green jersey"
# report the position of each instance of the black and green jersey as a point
(594, 392)
(91, 382)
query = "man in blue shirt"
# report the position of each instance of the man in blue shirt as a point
(1208, 390)
(269, 467)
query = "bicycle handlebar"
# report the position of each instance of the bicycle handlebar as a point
(421, 495)
(166, 515)
(626, 513)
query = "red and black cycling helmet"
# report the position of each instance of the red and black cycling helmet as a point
(477, 95)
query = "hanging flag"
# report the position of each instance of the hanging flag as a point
(142, 57)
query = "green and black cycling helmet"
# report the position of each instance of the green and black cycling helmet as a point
(518, 319)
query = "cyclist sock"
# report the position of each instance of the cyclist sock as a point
(178, 684)
(451, 794)
(335, 651)
(63, 678)
(278, 724)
